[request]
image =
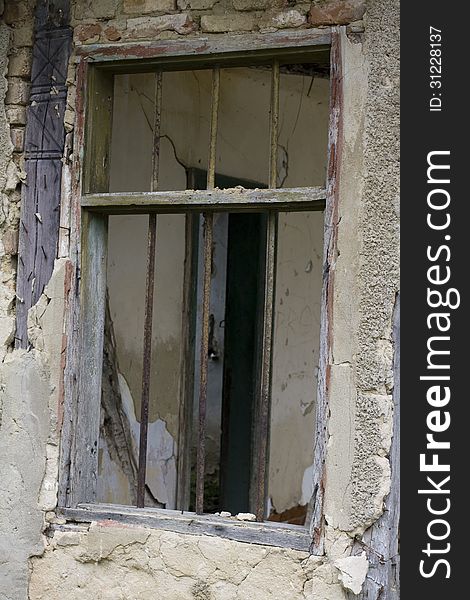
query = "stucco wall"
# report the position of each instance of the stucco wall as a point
(113, 561)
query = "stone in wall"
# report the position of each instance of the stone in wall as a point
(143, 7)
(336, 12)
(96, 9)
(227, 23)
(151, 27)
(196, 4)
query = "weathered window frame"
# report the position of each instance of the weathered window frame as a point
(90, 203)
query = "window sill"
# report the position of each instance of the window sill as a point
(267, 534)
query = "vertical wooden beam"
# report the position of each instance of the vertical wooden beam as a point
(44, 147)
(149, 294)
(315, 512)
(262, 425)
(98, 131)
(206, 295)
(72, 318)
(84, 460)
(82, 482)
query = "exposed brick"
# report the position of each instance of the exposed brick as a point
(149, 27)
(99, 9)
(17, 138)
(18, 91)
(20, 63)
(336, 12)
(224, 23)
(10, 242)
(90, 32)
(288, 18)
(16, 115)
(112, 33)
(143, 7)
(195, 4)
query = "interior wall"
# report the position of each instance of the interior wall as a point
(242, 152)
(296, 346)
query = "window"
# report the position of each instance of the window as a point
(202, 197)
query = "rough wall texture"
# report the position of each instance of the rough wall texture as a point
(114, 561)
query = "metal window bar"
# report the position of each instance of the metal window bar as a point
(268, 316)
(208, 235)
(149, 293)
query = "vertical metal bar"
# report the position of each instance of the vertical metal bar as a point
(156, 130)
(268, 317)
(208, 235)
(274, 130)
(144, 409)
(213, 131)
(149, 292)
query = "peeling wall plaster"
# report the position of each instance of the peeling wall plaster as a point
(134, 563)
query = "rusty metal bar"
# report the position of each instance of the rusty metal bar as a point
(149, 293)
(214, 124)
(208, 235)
(156, 130)
(274, 129)
(144, 409)
(268, 316)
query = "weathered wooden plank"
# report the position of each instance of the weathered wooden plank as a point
(91, 260)
(234, 49)
(185, 420)
(98, 131)
(71, 171)
(197, 200)
(269, 534)
(84, 457)
(44, 145)
(381, 541)
(315, 512)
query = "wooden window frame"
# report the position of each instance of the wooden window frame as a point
(90, 204)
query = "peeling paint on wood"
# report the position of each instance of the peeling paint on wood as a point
(331, 219)
(209, 47)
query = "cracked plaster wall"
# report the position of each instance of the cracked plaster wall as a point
(102, 561)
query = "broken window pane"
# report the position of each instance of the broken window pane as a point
(236, 298)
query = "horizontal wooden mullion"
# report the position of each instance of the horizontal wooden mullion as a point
(291, 199)
(268, 534)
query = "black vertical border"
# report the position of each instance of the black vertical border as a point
(424, 131)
